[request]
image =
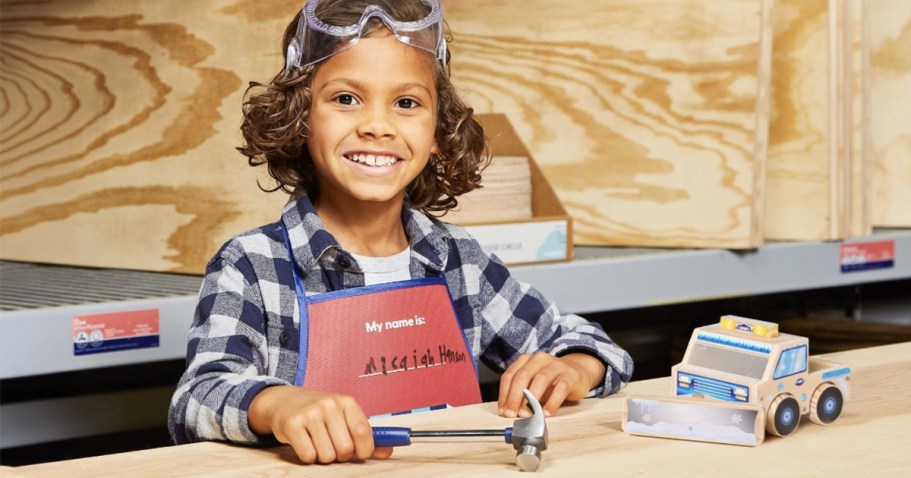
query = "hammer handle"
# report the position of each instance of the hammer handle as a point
(401, 436)
(391, 436)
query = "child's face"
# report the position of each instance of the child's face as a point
(372, 120)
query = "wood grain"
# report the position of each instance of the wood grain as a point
(585, 439)
(646, 116)
(858, 189)
(118, 124)
(799, 172)
(118, 120)
(816, 169)
(888, 50)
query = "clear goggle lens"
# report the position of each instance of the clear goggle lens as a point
(317, 39)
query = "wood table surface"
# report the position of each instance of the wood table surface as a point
(871, 438)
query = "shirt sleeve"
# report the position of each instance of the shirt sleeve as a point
(227, 355)
(517, 319)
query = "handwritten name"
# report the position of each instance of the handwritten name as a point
(401, 363)
(378, 327)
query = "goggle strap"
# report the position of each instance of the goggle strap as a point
(292, 56)
(441, 56)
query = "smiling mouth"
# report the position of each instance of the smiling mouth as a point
(376, 160)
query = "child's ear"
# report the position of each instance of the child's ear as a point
(435, 149)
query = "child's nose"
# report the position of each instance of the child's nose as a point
(376, 123)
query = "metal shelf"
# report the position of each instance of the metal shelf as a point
(36, 338)
(38, 304)
(602, 279)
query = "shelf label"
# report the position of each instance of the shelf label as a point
(865, 256)
(523, 242)
(128, 330)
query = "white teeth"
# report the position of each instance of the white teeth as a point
(372, 159)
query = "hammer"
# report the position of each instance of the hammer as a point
(527, 435)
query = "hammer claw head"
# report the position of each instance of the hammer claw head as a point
(533, 403)
(529, 436)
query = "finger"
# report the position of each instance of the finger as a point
(557, 396)
(339, 432)
(506, 382)
(302, 445)
(521, 380)
(359, 429)
(513, 396)
(325, 450)
(541, 387)
(382, 453)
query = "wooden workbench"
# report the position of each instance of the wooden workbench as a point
(870, 439)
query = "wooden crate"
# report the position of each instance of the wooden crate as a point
(538, 229)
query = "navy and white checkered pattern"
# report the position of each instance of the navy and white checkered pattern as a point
(245, 334)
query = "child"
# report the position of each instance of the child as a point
(366, 131)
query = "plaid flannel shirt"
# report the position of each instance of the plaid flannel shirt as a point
(245, 333)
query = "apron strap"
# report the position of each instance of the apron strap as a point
(302, 306)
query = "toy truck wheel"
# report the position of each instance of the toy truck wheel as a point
(825, 406)
(783, 416)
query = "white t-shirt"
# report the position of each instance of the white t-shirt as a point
(380, 270)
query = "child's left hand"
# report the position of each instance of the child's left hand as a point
(551, 379)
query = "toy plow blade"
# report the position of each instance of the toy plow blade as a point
(694, 418)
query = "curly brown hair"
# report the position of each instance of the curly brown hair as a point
(275, 125)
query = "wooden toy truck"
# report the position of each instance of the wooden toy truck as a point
(739, 378)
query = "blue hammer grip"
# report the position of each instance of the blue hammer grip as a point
(507, 433)
(391, 436)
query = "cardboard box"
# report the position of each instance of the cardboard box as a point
(547, 235)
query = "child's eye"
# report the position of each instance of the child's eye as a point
(407, 103)
(345, 99)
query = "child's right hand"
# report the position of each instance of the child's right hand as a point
(320, 427)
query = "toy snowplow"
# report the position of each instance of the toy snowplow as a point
(739, 379)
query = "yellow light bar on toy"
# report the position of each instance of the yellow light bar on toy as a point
(759, 328)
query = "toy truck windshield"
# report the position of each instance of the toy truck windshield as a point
(741, 357)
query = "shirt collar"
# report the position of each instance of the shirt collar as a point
(310, 240)
(429, 240)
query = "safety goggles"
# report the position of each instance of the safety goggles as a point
(319, 38)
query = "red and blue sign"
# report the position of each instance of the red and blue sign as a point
(129, 330)
(864, 256)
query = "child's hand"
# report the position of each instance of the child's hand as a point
(321, 427)
(552, 380)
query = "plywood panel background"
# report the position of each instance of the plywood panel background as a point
(119, 119)
(888, 35)
(816, 168)
(118, 124)
(642, 113)
(858, 189)
(799, 175)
